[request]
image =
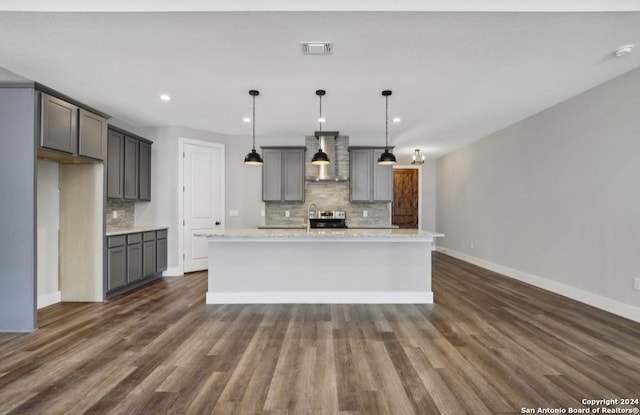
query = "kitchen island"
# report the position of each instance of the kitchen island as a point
(320, 266)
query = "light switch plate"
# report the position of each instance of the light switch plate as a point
(233, 213)
(636, 284)
(287, 213)
(115, 214)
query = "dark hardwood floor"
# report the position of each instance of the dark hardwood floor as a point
(489, 345)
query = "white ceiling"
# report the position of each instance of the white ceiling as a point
(456, 76)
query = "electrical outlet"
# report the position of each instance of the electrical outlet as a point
(636, 284)
(471, 245)
(262, 213)
(115, 214)
(233, 213)
(287, 213)
(365, 213)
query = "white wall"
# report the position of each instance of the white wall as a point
(48, 220)
(429, 197)
(555, 198)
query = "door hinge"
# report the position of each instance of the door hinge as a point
(184, 222)
(184, 189)
(183, 156)
(183, 256)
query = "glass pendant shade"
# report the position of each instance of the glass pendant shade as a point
(253, 158)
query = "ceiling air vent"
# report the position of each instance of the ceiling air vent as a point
(316, 48)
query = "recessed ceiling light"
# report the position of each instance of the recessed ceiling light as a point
(165, 97)
(396, 119)
(246, 119)
(623, 50)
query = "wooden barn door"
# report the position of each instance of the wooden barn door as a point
(405, 198)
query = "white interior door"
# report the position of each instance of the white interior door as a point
(203, 200)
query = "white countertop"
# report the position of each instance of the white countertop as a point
(284, 234)
(134, 229)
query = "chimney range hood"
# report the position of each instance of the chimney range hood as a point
(328, 142)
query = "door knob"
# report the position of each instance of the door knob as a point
(217, 223)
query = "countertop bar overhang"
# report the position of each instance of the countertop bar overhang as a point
(371, 266)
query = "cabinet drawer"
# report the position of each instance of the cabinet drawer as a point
(149, 236)
(114, 241)
(134, 238)
(162, 234)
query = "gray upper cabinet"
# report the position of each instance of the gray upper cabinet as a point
(382, 179)
(115, 165)
(369, 181)
(59, 124)
(272, 175)
(92, 136)
(293, 174)
(69, 129)
(128, 166)
(144, 172)
(283, 174)
(131, 147)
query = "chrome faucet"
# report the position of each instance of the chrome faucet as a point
(315, 213)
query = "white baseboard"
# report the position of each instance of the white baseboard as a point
(320, 297)
(172, 272)
(45, 300)
(595, 300)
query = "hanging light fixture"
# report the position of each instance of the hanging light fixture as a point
(254, 157)
(386, 158)
(417, 158)
(320, 158)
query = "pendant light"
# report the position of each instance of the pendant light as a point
(386, 158)
(254, 157)
(417, 157)
(320, 158)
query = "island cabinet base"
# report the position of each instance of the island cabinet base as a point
(319, 270)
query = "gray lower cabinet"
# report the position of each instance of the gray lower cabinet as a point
(134, 257)
(161, 251)
(283, 174)
(117, 271)
(369, 181)
(69, 129)
(149, 253)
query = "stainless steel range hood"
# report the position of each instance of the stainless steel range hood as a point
(328, 142)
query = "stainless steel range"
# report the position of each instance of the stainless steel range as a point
(335, 219)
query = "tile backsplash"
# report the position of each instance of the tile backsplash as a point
(327, 196)
(126, 213)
